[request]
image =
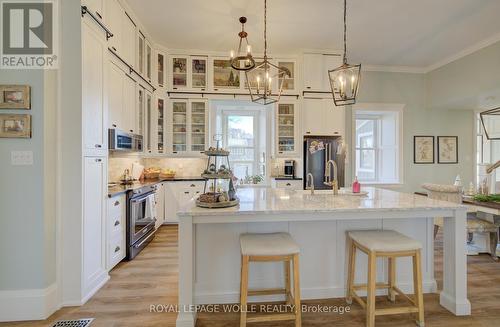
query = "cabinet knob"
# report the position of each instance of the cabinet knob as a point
(117, 203)
(98, 146)
(117, 249)
(288, 184)
(131, 131)
(117, 223)
(192, 185)
(308, 87)
(114, 125)
(98, 160)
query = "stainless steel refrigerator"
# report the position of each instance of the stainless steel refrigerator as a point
(318, 150)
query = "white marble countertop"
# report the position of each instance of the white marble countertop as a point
(258, 201)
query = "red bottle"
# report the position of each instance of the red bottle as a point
(356, 187)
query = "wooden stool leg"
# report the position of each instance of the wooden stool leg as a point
(417, 285)
(493, 245)
(296, 291)
(350, 271)
(392, 278)
(244, 290)
(370, 298)
(288, 281)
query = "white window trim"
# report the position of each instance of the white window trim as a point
(378, 107)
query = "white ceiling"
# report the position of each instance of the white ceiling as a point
(412, 33)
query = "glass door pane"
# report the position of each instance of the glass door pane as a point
(148, 60)
(161, 119)
(179, 126)
(179, 72)
(224, 75)
(198, 114)
(199, 73)
(288, 82)
(286, 128)
(141, 53)
(161, 69)
(149, 107)
(140, 111)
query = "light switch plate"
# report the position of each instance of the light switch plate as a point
(21, 158)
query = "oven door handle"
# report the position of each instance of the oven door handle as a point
(144, 241)
(140, 199)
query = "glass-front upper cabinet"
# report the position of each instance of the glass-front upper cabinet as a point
(179, 126)
(160, 69)
(288, 81)
(141, 45)
(140, 110)
(179, 72)
(149, 61)
(160, 128)
(286, 128)
(198, 125)
(199, 73)
(224, 76)
(149, 121)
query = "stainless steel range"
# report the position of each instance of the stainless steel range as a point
(141, 218)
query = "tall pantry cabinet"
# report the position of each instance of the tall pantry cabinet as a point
(94, 157)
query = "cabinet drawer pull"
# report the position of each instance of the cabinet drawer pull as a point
(192, 185)
(117, 249)
(98, 146)
(117, 203)
(308, 87)
(308, 132)
(186, 192)
(114, 125)
(288, 184)
(117, 223)
(98, 160)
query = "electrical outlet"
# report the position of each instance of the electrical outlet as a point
(21, 158)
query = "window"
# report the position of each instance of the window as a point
(377, 137)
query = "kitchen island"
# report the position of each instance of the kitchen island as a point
(209, 250)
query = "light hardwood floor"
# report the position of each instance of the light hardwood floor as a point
(152, 279)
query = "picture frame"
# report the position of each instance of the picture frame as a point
(423, 149)
(447, 147)
(15, 97)
(15, 126)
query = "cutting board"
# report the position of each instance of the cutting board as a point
(137, 170)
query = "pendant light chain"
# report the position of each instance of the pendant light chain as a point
(345, 32)
(265, 29)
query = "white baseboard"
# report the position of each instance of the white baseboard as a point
(33, 304)
(429, 286)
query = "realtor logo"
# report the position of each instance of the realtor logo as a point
(28, 34)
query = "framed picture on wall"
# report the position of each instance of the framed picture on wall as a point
(15, 126)
(423, 149)
(15, 97)
(447, 149)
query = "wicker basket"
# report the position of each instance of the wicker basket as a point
(167, 176)
(151, 175)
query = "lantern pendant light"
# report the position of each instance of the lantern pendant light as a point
(260, 79)
(242, 61)
(344, 80)
(490, 119)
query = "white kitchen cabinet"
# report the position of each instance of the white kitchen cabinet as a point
(128, 33)
(224, 77)
(189, 72)
(330, 61)
(313, 72)
(289, 184)
(322, 117)
(93, 90)
(139, 109)
(157, 126)
(177, 194)
(289, 82)
(114, 13)
(148, 60)
(121, 100)
(149, 117)
(188, 127)
(116, 229)
(160, 204)
(160, 69)
(94, 230)
(287, 131)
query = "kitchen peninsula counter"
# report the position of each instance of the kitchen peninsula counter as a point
(209, 250)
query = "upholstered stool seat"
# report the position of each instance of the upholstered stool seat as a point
(391, 245)
(384, 240)
(268, 244)
(272, 247)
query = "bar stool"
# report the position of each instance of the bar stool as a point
(389, 244)
(268, 248)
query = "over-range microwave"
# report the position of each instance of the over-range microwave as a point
(123, 141)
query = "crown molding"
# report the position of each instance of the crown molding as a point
(465, 52)
(393, 69)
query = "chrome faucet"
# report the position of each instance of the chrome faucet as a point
(310, 183)
(328, 179)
